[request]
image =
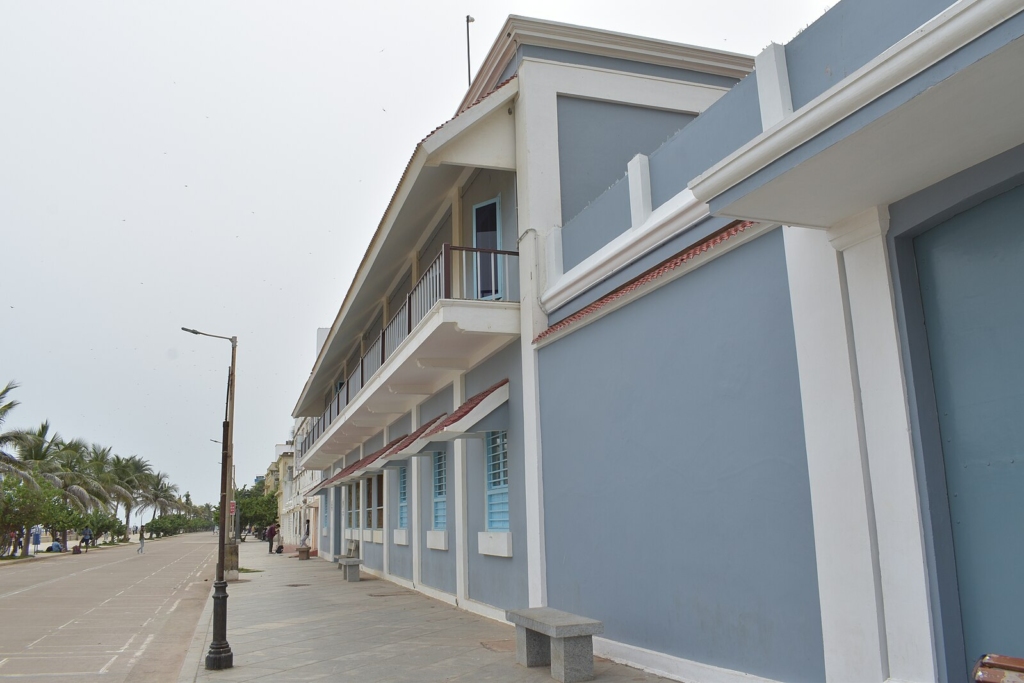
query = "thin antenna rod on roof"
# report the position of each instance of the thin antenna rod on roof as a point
(469, 76)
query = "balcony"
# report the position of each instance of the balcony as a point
(455, 316)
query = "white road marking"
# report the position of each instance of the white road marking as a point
(137, 655)
(106, 667)
(174, 606)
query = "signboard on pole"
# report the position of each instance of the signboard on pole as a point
(232, 508)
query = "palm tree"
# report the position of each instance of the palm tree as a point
(10, 463)
(132, 473)
(160, 495)
(102, 465)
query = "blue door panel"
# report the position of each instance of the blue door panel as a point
(971, 271)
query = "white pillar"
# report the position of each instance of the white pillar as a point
(461, 513)
(360, 523)
(388, 474)
(414, 505)
(890, 453)
(852, 616)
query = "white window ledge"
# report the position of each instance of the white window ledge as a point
(368, 535)
(349, 534)
(378, 536)
(400, 536)
(437, 540)
(495, 543)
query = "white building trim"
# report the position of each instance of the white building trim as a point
(890, 452)
(668, 666)
(845, 543)
(939, 37)
(460, 481)
(676, 216)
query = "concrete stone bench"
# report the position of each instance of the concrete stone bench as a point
(550, 636)
(303, 553)
(998, 669)
(350, 565)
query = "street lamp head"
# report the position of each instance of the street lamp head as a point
(187, 329)
(469, 19)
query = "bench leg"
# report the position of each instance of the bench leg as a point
(352, 572)
(532, 648)
(572, 659)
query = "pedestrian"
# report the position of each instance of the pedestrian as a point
(271, 531)
(142, 540)
(87, 538)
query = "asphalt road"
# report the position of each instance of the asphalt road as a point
(108, 615)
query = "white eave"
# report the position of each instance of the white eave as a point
(944, 34)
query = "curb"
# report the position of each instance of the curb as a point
(194, 657)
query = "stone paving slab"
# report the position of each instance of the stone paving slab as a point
(295, 620)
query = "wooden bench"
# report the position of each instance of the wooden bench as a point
(998, 669)
(549, 636)
(350, 565)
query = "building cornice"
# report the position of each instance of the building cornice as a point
(526, 31)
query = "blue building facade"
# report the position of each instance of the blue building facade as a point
(720, 351)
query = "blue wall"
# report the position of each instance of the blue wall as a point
(847, 37)
(603, 220)
(437, 567)
(498, 581)
(971, 271)
(373, 555)
(597, 139)
(677, 502)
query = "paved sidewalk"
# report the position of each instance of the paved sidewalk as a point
(300, 621)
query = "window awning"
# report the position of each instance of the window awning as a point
(476, 408)
(409, 445)
(355, 469)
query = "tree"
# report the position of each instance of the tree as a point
(255, 507)
(131, 474)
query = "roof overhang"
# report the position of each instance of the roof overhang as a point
(455, 336)
(972, 115)
(526, 31)
(408, 446)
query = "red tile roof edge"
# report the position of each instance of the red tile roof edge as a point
(408, 440)
(358, 464)
(466, 407)
(651, 275)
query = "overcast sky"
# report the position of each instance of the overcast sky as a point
(223, 166)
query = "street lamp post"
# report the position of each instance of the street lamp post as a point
(220, 655)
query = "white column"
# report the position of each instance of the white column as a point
(388, 474)
(414, 506)
(360, 489)
(887, 434)
(461, 513)
(852, 617)
(540, 213)
(385, 529)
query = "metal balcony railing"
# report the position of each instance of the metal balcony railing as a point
(457, 273)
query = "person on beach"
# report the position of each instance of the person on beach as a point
(142, 540)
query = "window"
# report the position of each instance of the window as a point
(487, 235)
(353, 507)
(440, 463)
(497, 480)
(403, 498)
(368, 503)
(379, 479)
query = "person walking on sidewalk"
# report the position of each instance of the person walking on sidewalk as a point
(142, 540)
(271, 532)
